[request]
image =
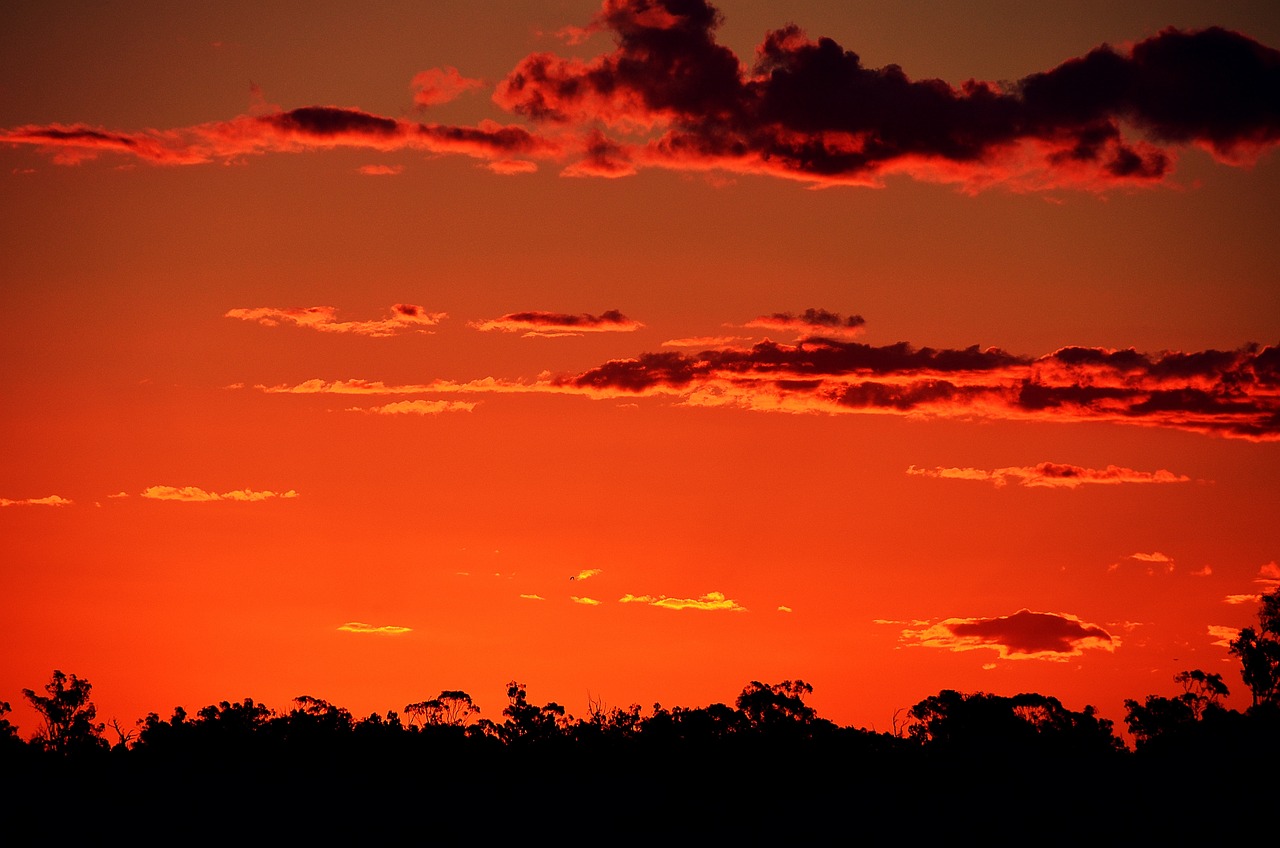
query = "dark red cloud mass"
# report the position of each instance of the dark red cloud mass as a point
(811, 110)
(1023, 635)
(1225, 393)
(669, 96)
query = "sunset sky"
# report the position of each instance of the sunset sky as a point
(636, 352)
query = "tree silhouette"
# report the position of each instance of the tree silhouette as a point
(526, 722)
(777, 705)
(1161, 718)
(67, 715)
(1259, 653)
(451, 708)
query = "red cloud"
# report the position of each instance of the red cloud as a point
(669, 96)
(1225, 393)
(440, 85)
(1023, 635)
(559, 323)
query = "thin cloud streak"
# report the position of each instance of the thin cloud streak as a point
(551, 324)
(1052, 475)
(710, 601)
(49, 500)
(194, 494)
(382, 630)
(811, 322)
(416, 407)
(403, 317)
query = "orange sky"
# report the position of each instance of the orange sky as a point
(336, 343)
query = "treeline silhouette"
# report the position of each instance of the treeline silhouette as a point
(1005, 768)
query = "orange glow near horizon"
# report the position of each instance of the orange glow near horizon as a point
(368, 356)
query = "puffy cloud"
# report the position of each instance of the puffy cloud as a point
(384, 629)
(416, 407)
(590, 602)
(1223, 636)
(810, 110)
(1023, 635)
(811, 322)
(50, 500)
(193, 494)
(1052, 475)
(709, 601)
(440, 85)
(547, 324)
(404, 316)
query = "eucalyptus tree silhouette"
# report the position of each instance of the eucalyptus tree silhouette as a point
(1259, 653)
(451, 708)
(68, 716)
(1162, 718)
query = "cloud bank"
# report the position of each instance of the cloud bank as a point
(668, 95)
(1233, 394)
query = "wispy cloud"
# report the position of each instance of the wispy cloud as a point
(586, 574)
(532, 597)
(1223, 636)
(416, 407)
(440, 85)
(704, 342)
(403, 317)
(709, 601)
(1023, 635)
(811, 322)
(380, 170)
(553, 324)
(1154, 563)
(193, 494)
(590, 602)
(1053, 475)
(384, 629)
(50, 500)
